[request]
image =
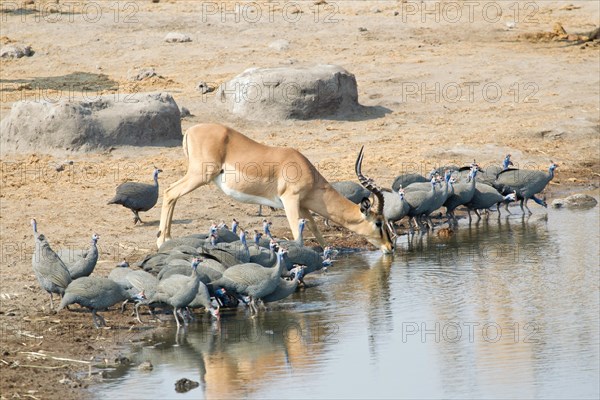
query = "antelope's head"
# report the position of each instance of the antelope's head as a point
(379, 234)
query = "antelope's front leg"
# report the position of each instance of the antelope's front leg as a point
(291, 205)
(312, 225)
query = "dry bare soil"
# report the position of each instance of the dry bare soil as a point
(446, 83)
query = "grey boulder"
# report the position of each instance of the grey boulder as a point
(284, 93)
(72, 124)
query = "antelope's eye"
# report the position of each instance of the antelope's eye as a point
(378, 224)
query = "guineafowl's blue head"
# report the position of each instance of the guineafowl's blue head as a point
(195, 263)
(506, 163)
(95, 238)
(553, 166)
(213, 229)
(257, 236)
(156, 172)
(34, 225)
(447, 175)
(139, 296)
(123, 264)
(273, 245)
(301, 224)
(243, 238)
(297, 272)
(266, 227)
(234, 226)
(213, 240)
(401, 193)
(473, 172)
(281, 252)
(511, 196)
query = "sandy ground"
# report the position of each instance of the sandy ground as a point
(442, 87)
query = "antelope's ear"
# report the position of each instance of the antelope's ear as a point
(365, 205)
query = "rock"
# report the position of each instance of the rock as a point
(146, 366)
(122, 360)
(135, 119)
(185, 385)
(176, 37)
(290, 93)
(203, 87)
(280, 45)
(575, 201)
(16, 51)
(140, 74)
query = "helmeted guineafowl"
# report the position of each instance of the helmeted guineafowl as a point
(527, 183)
(81, 262)
(137, 196)
(95, 293)
(50, 271)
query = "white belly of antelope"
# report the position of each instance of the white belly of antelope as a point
(244, 197)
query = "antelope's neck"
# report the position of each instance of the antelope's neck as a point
(332, 205)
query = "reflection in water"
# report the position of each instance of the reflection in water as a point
(508, 307)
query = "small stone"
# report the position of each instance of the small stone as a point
(65, 381)
(122, 360)
(361, 29)
(280, 45)
(575, 201)
(176, 37)
(146, 366)
(203, 88)
(185, 385)
(16, 51)
(140, 74)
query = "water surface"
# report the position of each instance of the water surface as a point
(507, 308)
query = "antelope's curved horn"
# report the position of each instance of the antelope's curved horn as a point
(368, 183)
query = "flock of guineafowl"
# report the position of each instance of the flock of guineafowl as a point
(225, 268)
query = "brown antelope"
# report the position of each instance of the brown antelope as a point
(279, 177)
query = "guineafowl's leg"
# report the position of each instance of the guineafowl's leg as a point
(260, 214)
(51, 302)
(136, 217)
(528, 210)
(96, 317)
(506, 208)
(521, 205)
(176, 319)
(137, 312)
(123, 306)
